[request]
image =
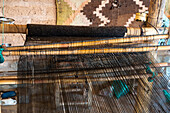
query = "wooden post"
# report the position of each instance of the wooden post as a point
(154, 9)
(161, 12)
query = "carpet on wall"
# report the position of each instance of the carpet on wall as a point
(100, 12)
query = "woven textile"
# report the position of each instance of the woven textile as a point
(100, 12)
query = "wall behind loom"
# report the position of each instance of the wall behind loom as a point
(25, 12)
(100, 12)
(30, 11)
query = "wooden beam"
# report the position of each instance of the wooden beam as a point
(90, 43)
(87, 51)
(70, 80)
(154, 9)
(13, 74)
(11, 28)
(165, 64)
(146, 31)
(161, 12)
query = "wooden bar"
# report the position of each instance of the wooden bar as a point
(73, 80)
(161, 12)
(165, 64)
(79, 72)
(90, 43)
(146, 31)
(11, 28)
(15, 77)
(87, 51)
(12, 74)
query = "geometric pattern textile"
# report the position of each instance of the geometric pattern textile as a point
(100, 12)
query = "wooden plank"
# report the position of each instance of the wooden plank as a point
(165, 64)
(11, 28)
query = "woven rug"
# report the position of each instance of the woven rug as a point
(100, 12)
